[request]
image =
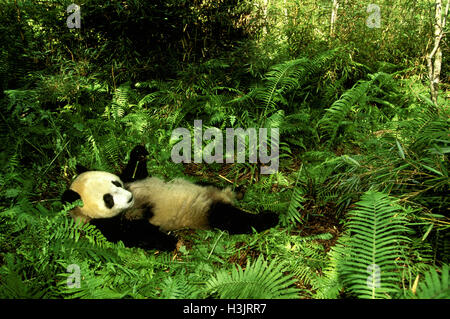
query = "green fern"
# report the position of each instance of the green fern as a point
(259, 280)
(293, 215)
(122, 100)
(93, 150)
(370, 269)
(177, 288)
(12, 285)
(288, 76)
(337, 115)
(435, 286)
(329, 285)
(111, 150)
(306, 257)
(281, 78)
(162, 96)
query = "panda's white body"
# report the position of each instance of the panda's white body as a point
(176, 204)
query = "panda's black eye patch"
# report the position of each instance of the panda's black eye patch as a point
(116, 183)
(109, 200)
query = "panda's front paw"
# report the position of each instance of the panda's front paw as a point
(139, 153)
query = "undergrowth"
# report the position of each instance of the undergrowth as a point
(361, 190)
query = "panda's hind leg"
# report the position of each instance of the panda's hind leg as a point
(227, 217)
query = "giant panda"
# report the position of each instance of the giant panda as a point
(140, 210)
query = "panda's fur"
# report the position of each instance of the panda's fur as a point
(176, 204)
(140, 211)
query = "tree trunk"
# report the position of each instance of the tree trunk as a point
(434, 59)
(334, 11)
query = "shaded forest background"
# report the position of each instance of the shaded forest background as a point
(362, 187)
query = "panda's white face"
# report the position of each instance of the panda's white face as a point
(103, 194)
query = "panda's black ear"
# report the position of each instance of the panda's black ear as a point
(69, 196)
(81, 169)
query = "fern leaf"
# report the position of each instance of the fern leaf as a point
(329, 285)
(258, 280)
(290, 75)
(293, 212)
(176, 289)
(369, 271)
(435, 286)
(280, 78)
(336, 114)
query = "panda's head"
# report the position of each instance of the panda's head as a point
(103, 195)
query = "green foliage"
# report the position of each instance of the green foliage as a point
(293, 212)
(177, 289)
(435, 285)
(329, 285)
(304, 257)
(259, 280)
(377, 228)
(355, 124)
(355, 100)
(285, 78)
(369, 259)
(36, 262)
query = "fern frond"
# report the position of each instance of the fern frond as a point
(121, 102)
(259, 280)
(111, 150)
(330, 284)
(276, 120)
(93, 149)
(336, 116)
(69, 236)
(292, 215)
(177, 288)
(435, 286)
(290, 75)
(121, 94)
(280, 78)
(370, 270)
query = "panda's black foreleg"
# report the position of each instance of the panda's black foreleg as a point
(235, 221)
(136, 168)
(134, 233)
